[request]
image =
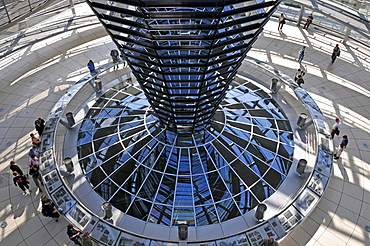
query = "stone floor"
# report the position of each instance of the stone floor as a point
(35, 77)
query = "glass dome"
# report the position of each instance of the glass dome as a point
(170, 178)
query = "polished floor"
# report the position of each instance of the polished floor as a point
(35, 77)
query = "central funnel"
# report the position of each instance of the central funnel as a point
(184, 53)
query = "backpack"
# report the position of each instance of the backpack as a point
(21, 180)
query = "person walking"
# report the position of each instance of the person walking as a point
(335, 129)
(308, 21)
(343, 144)
(336, 52)
(48, 209)
(114, 54)
(74, 234)
(301, 54)
(281, 21)
(299, 72)
(15, 168)
(36, 176)
(22, 182)
(269, 242)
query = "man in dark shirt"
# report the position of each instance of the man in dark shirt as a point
(74, 234)
(21, 182)
(39, 126)
(308, 21)
(15, 168)
(341, 147)
(335, 54)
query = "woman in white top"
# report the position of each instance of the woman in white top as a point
(335, 129)
(281, 22)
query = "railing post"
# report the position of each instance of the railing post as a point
(300, 16)
(6, 11)
(29, 4)
(346, 36)
(71, 4)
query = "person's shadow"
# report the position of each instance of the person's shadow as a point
(282, 34)
(342, 169)
(16, 206)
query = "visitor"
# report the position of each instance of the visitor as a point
(335, 54)
(15, 168)
(35, 140)
(74, 234)
(300, 80)
(343, 144)
(301, 54)
(86, 240)
(91, 66)
(281, 22)
(49, 210)
(34, 151)
(299, 72)
(269, 242)
(33, 161)
(114, 54)
(36, 176)
(335, 129)
(39, 126)
(22, 182)
(308, 21)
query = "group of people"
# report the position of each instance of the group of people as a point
(302, 52)
(75, 235)
(334, 54)
(50, 210)
(298, 78)
(20, 179)
(282, 21)
(299, 74)
(335, 130)
(115, 57)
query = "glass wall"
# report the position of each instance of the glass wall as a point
(11, 10)
(291, 10)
